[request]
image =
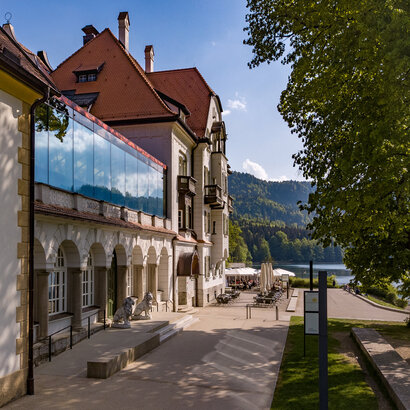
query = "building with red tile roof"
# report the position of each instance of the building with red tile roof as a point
(175, 116)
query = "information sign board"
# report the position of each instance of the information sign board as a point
(285, 277)
(311, 323)
(311, 312)
(311, 301)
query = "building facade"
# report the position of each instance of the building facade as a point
(22, 83)
(130, 190)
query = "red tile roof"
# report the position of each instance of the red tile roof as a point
(124, 90)
(189, 88)
(58, 211)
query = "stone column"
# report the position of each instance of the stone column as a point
(76, 297)
(41, 294)
(121, 284)
(153, 280)
(139, 282)
(100, 277)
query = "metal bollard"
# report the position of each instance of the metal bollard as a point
(89, 327)
(71, 337)
(49, 348)
(104, 320)
(277, 312)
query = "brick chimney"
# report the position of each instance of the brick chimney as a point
(90, 32)
(124, 29)
(149, 59)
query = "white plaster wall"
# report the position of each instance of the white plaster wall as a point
(10, 172)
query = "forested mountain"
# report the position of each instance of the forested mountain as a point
(275, 201)
(267, 223)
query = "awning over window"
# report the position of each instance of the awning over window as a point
(188, 264)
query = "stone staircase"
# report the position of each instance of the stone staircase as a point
(172, 329)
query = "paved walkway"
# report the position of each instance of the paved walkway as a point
(344, 305)
(223, 361)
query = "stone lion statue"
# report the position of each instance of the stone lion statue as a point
(123, 314)
(144, 306)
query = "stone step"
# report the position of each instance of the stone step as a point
(175, 328)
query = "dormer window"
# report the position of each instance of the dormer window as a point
(87, 74)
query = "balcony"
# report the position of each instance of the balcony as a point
(230, 204)
(186, 185)
(213, 196)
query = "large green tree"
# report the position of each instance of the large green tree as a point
(347, 98)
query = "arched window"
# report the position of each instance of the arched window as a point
(130, 282)
(57, 288)
(182, 164)
(88, 282)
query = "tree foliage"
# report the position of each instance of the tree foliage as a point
(347, 98)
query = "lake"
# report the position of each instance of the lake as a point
(343, 275)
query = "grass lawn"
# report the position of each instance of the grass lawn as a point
(382, 302)
(298, 382)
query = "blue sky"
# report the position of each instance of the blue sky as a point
(207, 34)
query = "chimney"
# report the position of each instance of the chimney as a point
(124, 29)
(149, 59)
(90, 32)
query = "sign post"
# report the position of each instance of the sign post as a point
(311, 316)
(323, 364)
(285, 278)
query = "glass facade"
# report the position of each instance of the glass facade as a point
(76, 154)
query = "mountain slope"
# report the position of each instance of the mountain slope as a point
(275, 201)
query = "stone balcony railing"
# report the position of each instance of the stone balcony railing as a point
(64, 199)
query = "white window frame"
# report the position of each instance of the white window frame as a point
(82, 78)
(92, 77)
(88, 283)
(130, 282)
(182, 164)
(57, 286)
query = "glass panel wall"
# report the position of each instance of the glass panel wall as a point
(75, 154)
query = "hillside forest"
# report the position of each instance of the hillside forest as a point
(267, 224)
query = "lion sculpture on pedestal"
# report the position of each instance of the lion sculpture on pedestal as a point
(144, 306)
(123, 314)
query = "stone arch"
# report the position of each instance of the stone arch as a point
(99, 255)
(122, 259)
(137, 256)
(71, 253)
(39, 255)
(152, 256)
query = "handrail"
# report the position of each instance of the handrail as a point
(71, 330)
(58, 331)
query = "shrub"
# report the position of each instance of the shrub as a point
(401, 303)
(391, 297)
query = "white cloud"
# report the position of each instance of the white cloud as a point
(239, 103)
(255, 169)
(258, 171)
(213, 43)
(226, 112)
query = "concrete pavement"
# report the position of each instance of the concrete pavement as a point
(223, 361)
(344, 305)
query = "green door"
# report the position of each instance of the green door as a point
(112, 287)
